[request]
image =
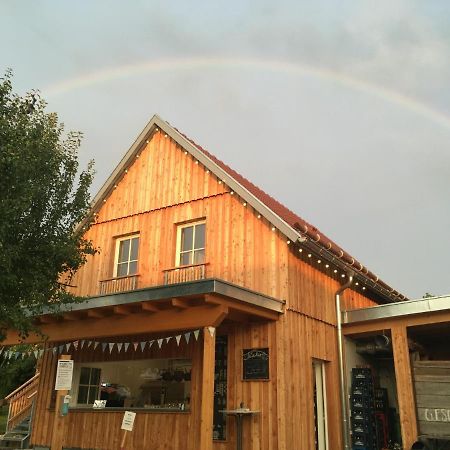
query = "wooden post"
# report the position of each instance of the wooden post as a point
(405, 391)
(207, 389)
(58, 421)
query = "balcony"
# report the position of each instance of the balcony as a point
(183, 274)
(119, 284)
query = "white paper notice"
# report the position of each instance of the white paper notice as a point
(128, 421)
(64, 375)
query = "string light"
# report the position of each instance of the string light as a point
(196, 162)
(335, 270)
(309, 255)
(288, 242)
(364, 288)
(220, 182)
(319, 261)
(165, 135)
(343, 275)
(137, 156)
(357, 284)
(185, 152)
(258, 216)
(147, 141)
(244, 204)
(207, 171)
(231, 192)
(327, 265)
(273, 228)
(126, 170)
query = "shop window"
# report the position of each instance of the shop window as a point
(147, 383)
(320, 406)
(89, 384)
(191, 244)
(126, 260)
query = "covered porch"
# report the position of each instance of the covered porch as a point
(414, 334)
(166, 325)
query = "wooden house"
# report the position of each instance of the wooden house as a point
(207, 295)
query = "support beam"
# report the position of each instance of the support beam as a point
(405, 391)
(114, 325)
(58, 420)
(121, 310)
(179, 303)
(207, 389)
(96, 313)
(149, 307)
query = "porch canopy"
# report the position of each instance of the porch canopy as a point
(427, 317)
(167, 308)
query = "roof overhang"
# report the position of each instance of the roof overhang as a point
(412, 312)
(156, 309)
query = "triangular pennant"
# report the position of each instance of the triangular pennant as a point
(41, 352)
(119, 346)
(96, 344)
(35, 353)
(135, 345)
(75, 345)
(196, 333)
(178, 339)
(111, 346)
(211, 330)
(23, 355)
(187, 336)
(104, 344)
(160, 341)
(82, 344)
(88, 344)
(143, 344)
(168, 339)
(1, 350)
(125, 346)
(67, 346)
(60, 348)
(150, 344)
(54, 350)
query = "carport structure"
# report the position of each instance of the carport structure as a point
(426, 320)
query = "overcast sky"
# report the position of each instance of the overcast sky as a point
(339, 109)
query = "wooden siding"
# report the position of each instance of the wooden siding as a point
(164, 187)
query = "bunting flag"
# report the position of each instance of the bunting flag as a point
(80, 344)
(211, 330)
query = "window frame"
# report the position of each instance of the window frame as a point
(116, 255)
(178, 251)
(90, 386)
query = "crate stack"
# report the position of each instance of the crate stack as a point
(364, 430)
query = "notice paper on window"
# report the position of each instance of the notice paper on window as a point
(128, 421)
(64, 374)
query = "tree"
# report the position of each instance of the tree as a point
(43, 198)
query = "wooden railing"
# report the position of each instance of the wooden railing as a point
(185, 273)
(119, 284)
(21, 402)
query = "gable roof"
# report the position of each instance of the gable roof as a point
(296, 229)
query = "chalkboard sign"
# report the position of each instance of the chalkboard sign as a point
(220, 389)
(255, 363)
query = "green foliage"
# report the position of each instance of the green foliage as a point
(15, 372)
(43, 198)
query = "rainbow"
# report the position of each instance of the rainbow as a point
(164, 65)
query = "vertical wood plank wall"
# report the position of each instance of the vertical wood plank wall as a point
(165, 187)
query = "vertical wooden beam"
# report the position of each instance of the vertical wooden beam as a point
(405, 391)
(58, 421)
(207, 389)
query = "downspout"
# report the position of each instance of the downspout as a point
(342, 379)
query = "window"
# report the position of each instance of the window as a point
(320, 406)
(89, 385)
(141, 383)
(191, 244)
(126, 260)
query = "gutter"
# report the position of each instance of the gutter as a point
(342, 380)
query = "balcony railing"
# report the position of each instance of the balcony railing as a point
(185, 273)
(119, 284)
